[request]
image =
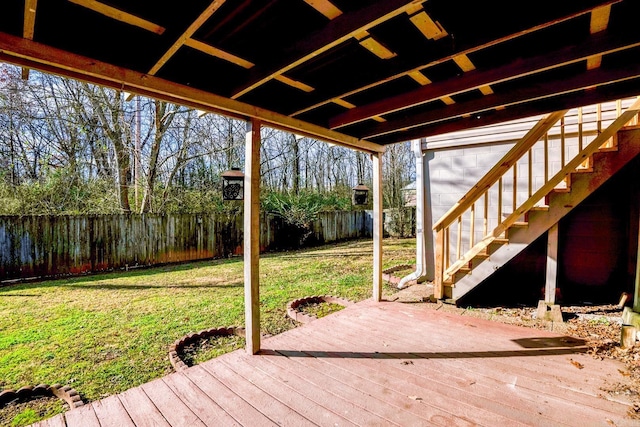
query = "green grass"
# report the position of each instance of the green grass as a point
(26, 417)
(106, 333)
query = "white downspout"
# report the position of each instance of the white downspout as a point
(421, 250)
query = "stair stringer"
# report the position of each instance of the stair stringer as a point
(605, 165)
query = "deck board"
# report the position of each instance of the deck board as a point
(171, 407)
(52, 422)
(111, 413)
(383, 364)
(84, 415)
(241, 411)
(275, 410)
(140, 408)
(281, 391)
(198, 401)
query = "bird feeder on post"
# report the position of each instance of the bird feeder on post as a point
(360, 195)
(233, 184)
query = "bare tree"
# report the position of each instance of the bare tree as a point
(108, 107)
(164, 114)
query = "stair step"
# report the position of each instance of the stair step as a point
(607, 149)
(462, 271)
(548, 197)
(583, 170)
(496, 244)
(531, 213)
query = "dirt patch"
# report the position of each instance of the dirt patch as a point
(308, 309)
(210, 347)
(25, 412)
(319, 309)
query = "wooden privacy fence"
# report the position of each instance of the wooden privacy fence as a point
(49, 246)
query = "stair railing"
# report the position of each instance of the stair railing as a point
(520, 181)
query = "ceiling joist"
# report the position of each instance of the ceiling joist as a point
(325, 7)
(204, 16)
(218, 53)
(28, 28)
(342, 28)
(419, 77)
(119, 15)
(600, 19)
(30, 8)
(599, 22)
(294, 83)
(476, 108)
(374, 46)
(478, 45)
(341, 102)
(431, 29)
(570, 100)
(596, 45)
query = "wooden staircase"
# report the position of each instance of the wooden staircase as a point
(502, 235)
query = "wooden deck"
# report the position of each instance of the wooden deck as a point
(381, 364)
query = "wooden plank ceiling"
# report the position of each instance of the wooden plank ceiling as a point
(362, 73)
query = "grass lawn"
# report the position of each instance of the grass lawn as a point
(106, 333)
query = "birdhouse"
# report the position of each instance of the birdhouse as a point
(233, 184)
(360, 194)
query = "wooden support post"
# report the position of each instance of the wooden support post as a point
(551, 278)
(252, 237)
(438, 285)
(636, 293)
(377, 226)
(548, 309)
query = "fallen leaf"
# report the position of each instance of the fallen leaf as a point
(623, 373)
(576, 364)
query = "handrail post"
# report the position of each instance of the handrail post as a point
(438, 287)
